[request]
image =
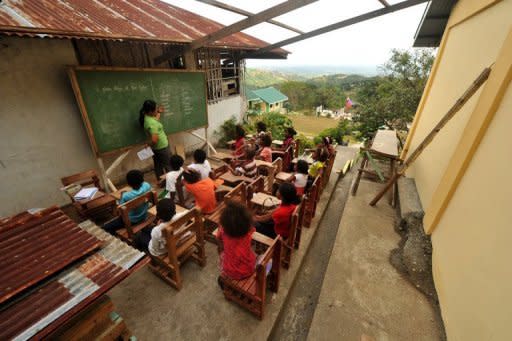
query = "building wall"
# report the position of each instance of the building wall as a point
(471, 258)
(42, 135)
(471, 237)
(470, 47)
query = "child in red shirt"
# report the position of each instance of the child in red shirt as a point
(278, 221)
(238, 260)
(266, 152)
(202, 190)
(239, 142)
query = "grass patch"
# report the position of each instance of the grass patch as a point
(311, 125)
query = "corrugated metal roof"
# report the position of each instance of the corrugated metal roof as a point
(44, 309)
(270, 95)
(251, 96)
(433, 23)
(38, 248)
(147, 20)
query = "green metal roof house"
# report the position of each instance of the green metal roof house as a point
(267, 99)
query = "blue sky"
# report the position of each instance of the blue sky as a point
(367, 43)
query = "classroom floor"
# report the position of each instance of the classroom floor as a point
(153, 310)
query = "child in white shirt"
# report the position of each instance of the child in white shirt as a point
(151, 239)
(172, 176)
(201, 165)
(300, 178)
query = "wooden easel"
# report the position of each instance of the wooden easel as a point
(477, 83)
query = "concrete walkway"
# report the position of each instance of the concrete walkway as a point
(362, 294)
(155, 311)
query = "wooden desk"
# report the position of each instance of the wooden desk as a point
(385, 146)
(265, 200)
(222, 156)
(263, 163)
(179, 209)
(117, 194)
(284, 177)
(232, 180)
(256, 236)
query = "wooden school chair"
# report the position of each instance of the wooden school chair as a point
(311, 201)
(128, 231)
(289, 243)
(185, 240)
(101, 206)
(257, 186)
(300, 223)
(286, 156)
(250, 293)
(212, 220)
(269, 174)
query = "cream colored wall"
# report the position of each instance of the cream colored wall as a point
(471, 46)
(472, 242)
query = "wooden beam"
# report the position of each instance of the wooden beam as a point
(240, 11)
(260, 17)
(384, 3)
(341, 24)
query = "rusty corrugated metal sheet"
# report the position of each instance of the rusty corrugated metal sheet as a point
(148, 20)
(43, 310)
(38, 248)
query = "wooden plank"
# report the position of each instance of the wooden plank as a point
(255, 19)
(386, 143)
(240, 11)
(341, 24)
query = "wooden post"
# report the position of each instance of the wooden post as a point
(477, 83)
(107, 184)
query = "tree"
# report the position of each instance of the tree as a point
(391, 100)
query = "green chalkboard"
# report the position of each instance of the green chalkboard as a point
(110, 100)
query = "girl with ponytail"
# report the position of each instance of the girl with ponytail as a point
(149, 119)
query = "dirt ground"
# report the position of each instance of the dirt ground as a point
(311, 125)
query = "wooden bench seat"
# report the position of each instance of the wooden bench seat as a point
(184, 240)
(250, 293)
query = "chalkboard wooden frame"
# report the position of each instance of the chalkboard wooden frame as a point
(71, 70)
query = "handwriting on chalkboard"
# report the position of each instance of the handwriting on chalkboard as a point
(120, 88)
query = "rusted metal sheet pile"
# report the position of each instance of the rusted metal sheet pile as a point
(148, 20)
(47, 244)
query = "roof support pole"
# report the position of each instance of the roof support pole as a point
(255, 19)
(240, 11)
(341, 24)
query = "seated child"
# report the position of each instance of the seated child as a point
(239, 142)
(319, 157)
(288, 140)
(203, 190)
(172, 176)
(300, 178)
(277, 222)
(327, 145)
(248, 168)
(135, 180)
(151, 239)
(201, 165)
(237, 259)
(266, 152)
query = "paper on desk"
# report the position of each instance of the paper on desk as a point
(145, 154)
(86, 193)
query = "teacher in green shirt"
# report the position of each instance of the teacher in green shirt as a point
(149, 119)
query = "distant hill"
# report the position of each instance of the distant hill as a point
(258, 78)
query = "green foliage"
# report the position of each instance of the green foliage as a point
(301, 95)
(304, 142)
(276, 124)
(257, 78)
(343, 128)
(392, 100)
(227, 131)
